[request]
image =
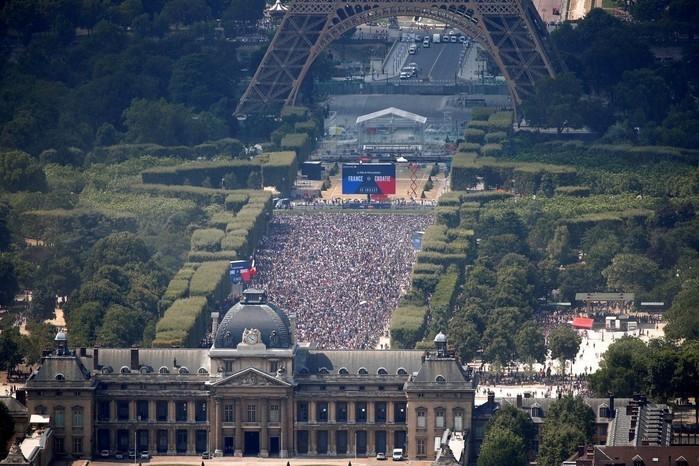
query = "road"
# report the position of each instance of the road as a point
(439, 63)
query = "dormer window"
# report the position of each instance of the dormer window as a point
(183, 370)
(163, 370)
(382, 371)
(343, 371)
(202, 371)
(402, 371)
(125, 370)
(440, 379)
(363, 371)
(323, 370)
(60, 377)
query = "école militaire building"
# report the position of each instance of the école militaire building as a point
(256, 391)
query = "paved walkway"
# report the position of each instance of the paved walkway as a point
(194, 460)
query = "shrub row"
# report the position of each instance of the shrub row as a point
(47, 224)
(575, 191)
(211, 281)
(300, 143)
(443, 299)
(178, 286)
(183, 324)
(121, 152)
(236, 201)
(408, 324)
(207, 239)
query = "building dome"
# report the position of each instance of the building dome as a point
(440, 338)
(61, 336)
(253, 312)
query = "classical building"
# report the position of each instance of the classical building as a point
(256, 391)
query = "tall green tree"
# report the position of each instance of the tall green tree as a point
(530, 344)
(7, 429)
(683, 316)
(502, 447)
(8, 280)
(564, 343)
(631, 273)
(623, 370)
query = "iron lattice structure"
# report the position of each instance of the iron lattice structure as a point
(510, 30)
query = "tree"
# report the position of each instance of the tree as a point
(530, 344)
(5, 234)
(184, 12)
(84, 321)
(116, 249)
(510, 418)
(464, 335)
(8, 280)
(623, 370)
(645, 92)
(244, 10)
(19, 172)
(121, 327)
(564, 343)
(555, 103)
(10, 354)
(43, 304)
(559, 247)
(631, 273)
(558, 442)
(254, 180)
(682, 317)
(7, 429)
(502, 447)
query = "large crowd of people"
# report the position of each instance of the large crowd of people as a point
(341, 274)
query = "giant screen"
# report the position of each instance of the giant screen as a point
(368, 178)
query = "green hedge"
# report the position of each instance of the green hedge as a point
(220, 220)
(184, 324)
(299, 143)
(477, 124)
(47, 224)
(407, 325)
(236, 201)
(206, 256)
(293, 114)
(474, 135)
(178, 286)
(470, 146)
(202, 196)
(448, 216)
(424, 282)
(481, 113)
(121, 152)
(495, 136)
(575, 191)
(443, 259)
(501, 121)
(211, 281)
(442, 301)
(492, 150)
(207, 239)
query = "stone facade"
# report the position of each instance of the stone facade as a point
(255, 392)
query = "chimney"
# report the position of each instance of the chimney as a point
(612, 410)
(96, 358)
(491, 397)
(214, 324)
(21, 396)
(519, 400)
(134, 358)
(292, 324)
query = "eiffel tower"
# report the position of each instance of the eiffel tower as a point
(511, 31)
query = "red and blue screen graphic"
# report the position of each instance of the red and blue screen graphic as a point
(368, 178)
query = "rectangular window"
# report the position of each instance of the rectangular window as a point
(77, 417)
(122, 410)
(341, 442)
(200, 413)
(302, 411)
(142, 410)
(458, 421)
(322, 411)
(228, 366)
(162, 441)
(274, 413)
(103, 410)
(421, 419)
(59, 418)
(273, 366)
(341, 411)
(181, 441)
(399, 412)
(161, 410)
(439, 419)
(181, 411)
(360, 411)
(77, 445)
(58, 445)
(229, 412)
(252, 413)
(420, 444)
(200, 441)
(380, 412)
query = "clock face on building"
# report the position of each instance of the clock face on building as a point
(251, 337)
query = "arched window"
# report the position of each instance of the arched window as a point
(362, 371)
(183, 370)
(163, 370)
(382, 371)
(303, 371)
(60, 377)
(343, 371)
(125, 370)
(145, 370)
(59, 417)
(323, 370)
(202, 371)
(107, 370)
(603, 410)
(402, 371)
(440, 379)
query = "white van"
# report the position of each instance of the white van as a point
(412, 50)
(436, 38)
(397, 454)
(426, 42)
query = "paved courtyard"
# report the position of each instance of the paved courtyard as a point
(194, 460)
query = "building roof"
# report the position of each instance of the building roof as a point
(395, 112)
(583, 322)
(650, 455)
(156, 358)
(14, 407)
(332, 361)
(273, 324)
(440, 373)
(61, 370)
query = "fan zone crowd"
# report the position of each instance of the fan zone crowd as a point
(342, 274)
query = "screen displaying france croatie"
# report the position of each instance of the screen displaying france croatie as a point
(368, 178)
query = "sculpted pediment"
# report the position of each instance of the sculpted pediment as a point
(251, 378)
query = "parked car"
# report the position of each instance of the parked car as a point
(132, 454)
(119, 455)
(145, 455)
(453, 39)
(381, 456)
(397, 454)
(206, 455)
(104, 453)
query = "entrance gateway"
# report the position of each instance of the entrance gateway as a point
(510, 30)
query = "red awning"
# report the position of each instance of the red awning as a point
(582, 322)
